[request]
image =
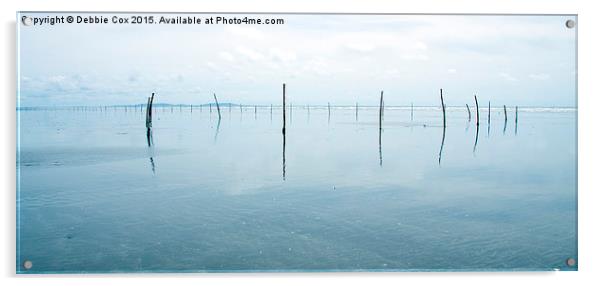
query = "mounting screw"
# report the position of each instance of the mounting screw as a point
(570, 24)
(27, 21)
(571, 262)
(27, 264)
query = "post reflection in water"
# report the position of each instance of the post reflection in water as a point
(219, 122)
(149, 142)
(476, 140)
(442, 143)
(380, 149)
(284, 132)
(283, 154)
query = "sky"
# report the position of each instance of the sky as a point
(341, 59)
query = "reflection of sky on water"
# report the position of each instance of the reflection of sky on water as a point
(213, 195)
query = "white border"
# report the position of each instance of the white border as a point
(589, 139)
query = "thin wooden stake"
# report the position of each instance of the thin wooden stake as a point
(380, 112)
(219, 114)
(488, 112)
(468, 109)
(283, 108)
(477, 107)
(443, 108)
(149, 111)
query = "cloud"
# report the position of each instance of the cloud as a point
(318, 55)
(360, 47)
(507, 76)
(282, 55)
(226, 56)
(247, 32)
(539, 76)
(250, 53)
(414, 57)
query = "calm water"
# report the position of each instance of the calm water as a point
(93, 196)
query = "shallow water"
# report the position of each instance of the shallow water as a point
(94, 197)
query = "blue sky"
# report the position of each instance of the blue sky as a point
(342, 59)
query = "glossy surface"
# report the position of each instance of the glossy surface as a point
(94, 197)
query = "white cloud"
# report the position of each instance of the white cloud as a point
(250, 53)
(360, 47)
(539, 76)
(283, 55)
(247, 32)
(452, 71)
(414, 57)
(507, 76)
(226, 56)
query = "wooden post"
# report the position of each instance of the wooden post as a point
(515, 120)
(477, 107)
(283, 108)
(219, 114)
(412, 112)
(505, 114)
(380, 112)
(468, 109)
(149, 111)
(488, 112)
(356, 107)
(443, 108)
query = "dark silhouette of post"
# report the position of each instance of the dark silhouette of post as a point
(380, 128)
(468, 109)
(476, 102)
(380, 112)
(283, 108)
(443, 108)
(284, 132)
(488, 112)
(505, 119)
(219, 114)
(149, 111)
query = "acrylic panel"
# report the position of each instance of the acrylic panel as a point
(217, 142)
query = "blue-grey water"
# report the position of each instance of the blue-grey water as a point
(94, 197)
